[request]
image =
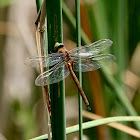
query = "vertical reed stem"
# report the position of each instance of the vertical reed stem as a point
(57, 91)
(78, 37)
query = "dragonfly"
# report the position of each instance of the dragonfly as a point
(64, 62)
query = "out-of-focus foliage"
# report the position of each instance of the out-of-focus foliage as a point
(4, 3)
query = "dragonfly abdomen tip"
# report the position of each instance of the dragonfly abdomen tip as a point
(89, 108)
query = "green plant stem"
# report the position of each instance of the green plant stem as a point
(121, 36)
(57, 91)
(38, 5)
(78, 37)
(95, 123)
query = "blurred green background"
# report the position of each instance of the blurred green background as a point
(21, 103)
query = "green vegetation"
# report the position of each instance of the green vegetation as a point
(112, 91)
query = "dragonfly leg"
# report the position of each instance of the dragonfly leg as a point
(48, 99)
(67, 66)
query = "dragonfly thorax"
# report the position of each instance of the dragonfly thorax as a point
(63, 50)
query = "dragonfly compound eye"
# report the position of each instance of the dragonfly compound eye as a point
(58, 45)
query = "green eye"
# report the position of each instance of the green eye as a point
(57, 45)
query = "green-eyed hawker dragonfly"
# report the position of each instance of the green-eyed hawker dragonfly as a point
(64, 62)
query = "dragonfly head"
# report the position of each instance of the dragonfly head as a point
(58, 45)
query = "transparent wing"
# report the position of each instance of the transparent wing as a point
(93, 48)
(53, 75)
(93, 63)
(51, 60)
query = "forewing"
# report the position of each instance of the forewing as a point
(93, 48)
(49, 60)
(53, 75)
(93, 63)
